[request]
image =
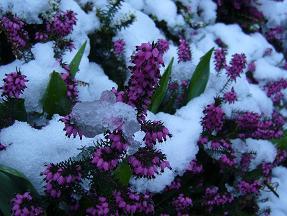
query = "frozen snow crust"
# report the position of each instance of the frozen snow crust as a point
(98, 110)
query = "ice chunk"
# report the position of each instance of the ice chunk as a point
(96, 117)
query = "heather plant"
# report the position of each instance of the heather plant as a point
(17, 37)
(105, 50)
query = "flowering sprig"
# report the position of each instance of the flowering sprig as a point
(14, 84)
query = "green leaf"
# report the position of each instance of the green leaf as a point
(281, 142)
(123, 173)
(74, 65)
(17, 109)
(160, 92)
(13, 182)
(200, 77)
(55, 99)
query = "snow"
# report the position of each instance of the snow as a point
(31, 148)
(30, 151)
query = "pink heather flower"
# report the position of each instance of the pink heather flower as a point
(70, 127)
(236, 66)
(183, 52)
(154, 132)
(62, 23)
(148, 162)
(162, 45)
(194, 167)
(251, 67)
(2, 147)
(245, 187)
(59, 179)
(131, 203)
(213, 118)
(220, 59)
(71, 84)
(105, 158)
(275, 33)
(182, 204)
(274, 90)
(14, 84)
(245, 161)
(227, 160)
(252, 125)
(23, 204)
(219, 144)
(230, 97)
(212, 198)
(40, 36)
(14, 28)
(280, 157)
(118, 141)
(174, 185)
(100, 209)
(119, 46)
(267, 168)
(145, 77)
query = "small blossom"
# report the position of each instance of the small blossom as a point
(147, 163)
(245, 187)
(70, 127)
(183, 52)
(220, 59)
(100, 209)
(213, 118)
(14, 85)
(62, 23)
(230, 97)
(236, 66)
(162, 45)
(182, 203)
(104, 158)
(119, 46)
(24, 204)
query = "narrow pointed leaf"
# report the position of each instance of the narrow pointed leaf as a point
(55, 100)
(75, 63)
(200, 77)
(162, 88)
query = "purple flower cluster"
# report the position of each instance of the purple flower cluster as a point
(132, 203)
(252, 125)
(274, 90)
(145, 76)
(246, 187)
(71, 83)
(108, 157)
(213, 118)
(182, 204)
(275, 33)
(119, 46)
(2, 147)
(154, 132)
(100, 209)
(236, 66)
(62, 23)
(70, 127)
(162, 45)
(14, 85)
(194, 167)
(230, 97)
(59, 179)
(212, 198)
(147, 162)
(23, 204)
(14, 29)
(220, 59)
(183, 52)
